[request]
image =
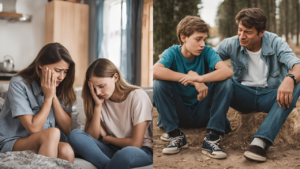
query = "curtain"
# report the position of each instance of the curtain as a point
(99, 29)
(130, 38)
(126, 66)
(136, 15)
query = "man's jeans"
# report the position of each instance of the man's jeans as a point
(106, 155)
(256, 99)
(210, 112)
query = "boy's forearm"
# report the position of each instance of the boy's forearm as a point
(161, 73)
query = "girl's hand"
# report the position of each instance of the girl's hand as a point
(104, 140)
(98, 100)
(48, 83)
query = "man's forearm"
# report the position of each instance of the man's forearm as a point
(296, 72)
(217, 75)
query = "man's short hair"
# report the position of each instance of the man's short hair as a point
(189, 24)
(252, 17)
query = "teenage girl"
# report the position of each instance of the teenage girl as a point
(118, 118)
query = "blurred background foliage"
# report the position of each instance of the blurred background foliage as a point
(166, 16)
(283, 19)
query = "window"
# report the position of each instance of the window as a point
(114, 21)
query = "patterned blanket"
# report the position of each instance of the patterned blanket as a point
(31, 160)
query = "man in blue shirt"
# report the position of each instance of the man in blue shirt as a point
(182, 102)
(261, 79)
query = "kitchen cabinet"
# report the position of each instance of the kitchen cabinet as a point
(67, 23)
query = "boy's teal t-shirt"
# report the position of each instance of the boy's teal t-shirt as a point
(174, 60)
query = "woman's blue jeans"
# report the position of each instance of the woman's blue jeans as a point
(106, 155)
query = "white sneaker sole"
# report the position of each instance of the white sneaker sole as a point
(216, 156)
(167, 151)
(164, 139)
(255, 157)
(167, 138)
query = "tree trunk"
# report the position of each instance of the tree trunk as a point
(286, 20)
(258, 4)
(297, 21)
(291, 18)
(233, 25)
(272, 17)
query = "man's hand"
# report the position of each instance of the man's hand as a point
(285, 92)
(202, 89)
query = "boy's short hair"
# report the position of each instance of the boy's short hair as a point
(189, 24)
(252, 17)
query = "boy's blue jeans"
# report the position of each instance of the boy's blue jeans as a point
(256, 99)
(106, 155)
(210, 112)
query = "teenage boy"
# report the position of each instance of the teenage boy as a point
(261, 79)
(182, 103)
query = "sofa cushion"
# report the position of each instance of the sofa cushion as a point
(87, 165)
(84, 164)
(1, 103)
(75, 121)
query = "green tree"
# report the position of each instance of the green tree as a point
(228, 9)
(166, 16)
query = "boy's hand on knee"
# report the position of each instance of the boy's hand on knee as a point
(202, 89)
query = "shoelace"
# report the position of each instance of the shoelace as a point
(175, 140)
(213, 144)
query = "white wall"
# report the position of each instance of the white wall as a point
(23, 40)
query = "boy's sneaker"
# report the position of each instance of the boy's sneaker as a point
(256, 153)
(210, 146)
(165, 137)
(175, 144)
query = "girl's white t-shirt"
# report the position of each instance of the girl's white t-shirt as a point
(120, 118)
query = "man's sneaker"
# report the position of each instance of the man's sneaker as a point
(256, 153)
(211, 148)
(165, 137)
(175, 144)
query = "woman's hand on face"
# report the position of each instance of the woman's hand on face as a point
(98, 100)
(48, 83)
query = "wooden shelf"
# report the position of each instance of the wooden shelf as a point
(10, 15)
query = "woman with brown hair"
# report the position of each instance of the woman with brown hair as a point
(118, 117)
(39, 97)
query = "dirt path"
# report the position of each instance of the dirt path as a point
(281, 155)
(284, 154)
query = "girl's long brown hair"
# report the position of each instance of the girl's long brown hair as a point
(101, 68)
(50, 54)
